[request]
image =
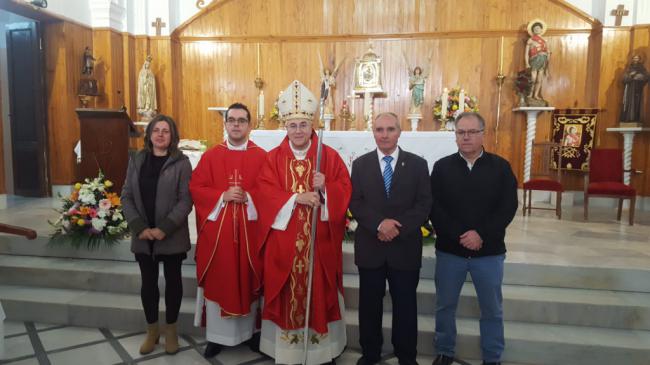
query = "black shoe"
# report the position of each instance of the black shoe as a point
(364, 361)
(443, 360)
(491, 363)
(254, 343)
(212, 350)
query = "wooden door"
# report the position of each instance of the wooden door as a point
(27, 109)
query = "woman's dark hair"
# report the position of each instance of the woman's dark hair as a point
(173, 130)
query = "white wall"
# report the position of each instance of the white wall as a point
(77, 10)
(6, 18)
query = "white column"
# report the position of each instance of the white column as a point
(531, 124)
(628, 139)
(367, 109)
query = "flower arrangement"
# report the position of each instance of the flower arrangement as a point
(351, 225)
(454, 102)
(90, 215)
(523, 85)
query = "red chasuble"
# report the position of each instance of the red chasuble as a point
(286, 253)
(228, 267)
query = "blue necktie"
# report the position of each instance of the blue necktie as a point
(388, 174)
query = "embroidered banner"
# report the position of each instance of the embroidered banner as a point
(574, 130)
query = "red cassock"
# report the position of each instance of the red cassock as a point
(286, 253)
(228, 267)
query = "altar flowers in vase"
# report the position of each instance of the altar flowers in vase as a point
(450, 104)
(90, 216)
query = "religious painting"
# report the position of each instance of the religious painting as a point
(574, 130)
(367, 73)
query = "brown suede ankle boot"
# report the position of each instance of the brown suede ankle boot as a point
(153, 335)
(171, 339)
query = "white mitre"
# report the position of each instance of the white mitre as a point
(297, 102)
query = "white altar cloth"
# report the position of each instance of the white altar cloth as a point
(351, 144)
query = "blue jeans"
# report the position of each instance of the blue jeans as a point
(487, 276)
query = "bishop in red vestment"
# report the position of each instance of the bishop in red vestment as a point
(228, 268)
(289, 190)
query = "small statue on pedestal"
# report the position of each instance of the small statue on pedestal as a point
(537, 57)
(147, 105)
(417, 80)
(634, 79)
(88, 62)
(328, 82)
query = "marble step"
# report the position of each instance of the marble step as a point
(531, 343)
(561, 275)
(526, 342)
(86, 308)
(583, 307)
(579, 307)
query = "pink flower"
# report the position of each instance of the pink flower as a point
(92, 212)
(105, 204)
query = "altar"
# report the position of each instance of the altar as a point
(351, 144)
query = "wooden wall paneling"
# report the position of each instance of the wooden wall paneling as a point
(109, 52)
(3, 187)
(161, 66)
(131, 70)
(64, 47)
(273, 17)
(641, 154)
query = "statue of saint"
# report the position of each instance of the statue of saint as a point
(417, 80)
(537, 57)
(634, 79)
(147, 105)
(328, 82)
(88, 62)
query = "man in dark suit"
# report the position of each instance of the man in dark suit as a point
(474, 200)
(391, 198)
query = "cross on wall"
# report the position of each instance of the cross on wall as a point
(158, 24)
(619, 13)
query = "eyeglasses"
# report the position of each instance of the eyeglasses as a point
(295, 127)
(237, 121)
(471, 132)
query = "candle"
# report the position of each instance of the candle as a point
(443, 106)
(461, 101)
(501, 58)
(258, 60)
(351, 97)
(260, 104)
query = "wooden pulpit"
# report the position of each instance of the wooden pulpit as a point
(105, 143)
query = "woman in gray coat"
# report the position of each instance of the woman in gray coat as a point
(156, 201)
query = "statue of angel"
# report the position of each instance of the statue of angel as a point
(417, 80)
(328, 82)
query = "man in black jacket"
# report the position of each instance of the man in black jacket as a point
(391, 198)
(474, 200)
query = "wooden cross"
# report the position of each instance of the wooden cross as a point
(619, 13)
(158, 24)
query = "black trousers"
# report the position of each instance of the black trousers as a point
(149, 292)
(402, 286)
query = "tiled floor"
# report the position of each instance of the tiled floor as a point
(28, 343)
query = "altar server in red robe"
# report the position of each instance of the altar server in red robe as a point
(289, 190)
(228, 269)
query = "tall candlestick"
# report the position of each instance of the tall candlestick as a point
(461, 101)
(258, 59)
(501, 58)
(260, 104)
